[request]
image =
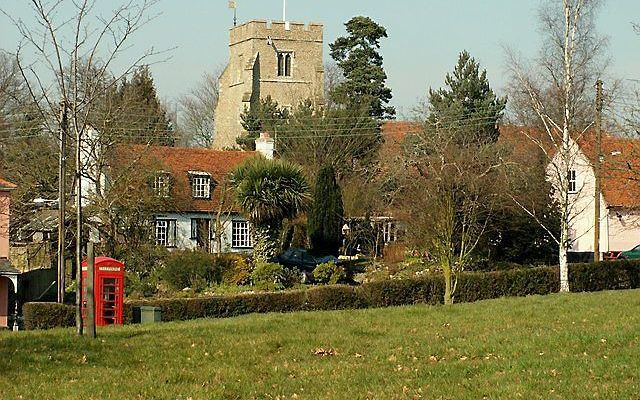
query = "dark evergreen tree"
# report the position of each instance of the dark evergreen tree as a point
(361, 63)
(265, 116)
(468, 107)
(139, 113)
(326, 216)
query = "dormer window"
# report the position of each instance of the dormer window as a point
(161, 184)
(200, 185)
(284, 63)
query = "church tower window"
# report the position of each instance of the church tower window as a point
(284, 63)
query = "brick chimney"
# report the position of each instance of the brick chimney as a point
(265, 145)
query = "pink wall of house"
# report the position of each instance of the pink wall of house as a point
(4, 302)
(623, 227)
(5, 199)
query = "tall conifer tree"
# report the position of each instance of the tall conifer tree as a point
(468, 106)
(359, 58)
(326, 216)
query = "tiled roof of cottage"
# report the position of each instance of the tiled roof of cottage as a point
(620, 168)
(620, 165)
(394, 133)
(179, 162)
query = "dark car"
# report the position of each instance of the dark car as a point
(630, 254)
(301, 259)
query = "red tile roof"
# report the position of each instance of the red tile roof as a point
(6, 184)
(620, 168)
(394, 134)
(179, 161)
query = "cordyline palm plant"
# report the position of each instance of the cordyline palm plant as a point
(269, 191)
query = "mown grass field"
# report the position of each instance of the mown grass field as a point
(576, 346)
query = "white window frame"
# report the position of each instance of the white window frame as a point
(241, 235)
(200, 185)
(166, 232)
(161, 184)
(573, 181)
(389, 232)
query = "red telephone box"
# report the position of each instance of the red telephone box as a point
(108, 289)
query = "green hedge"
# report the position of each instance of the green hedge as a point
(428, 289)
(48, 315)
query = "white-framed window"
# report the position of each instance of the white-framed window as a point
(389, 232)
(573, 183)
(200, 185)
(161, 184)
(284, 63)
(241, 234)
(166, 232)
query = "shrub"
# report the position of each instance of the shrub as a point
(426, 289)
(143, 260)
(136, 286)
(291, 277)
(605, 275)
(329, 273)
(191, 269)
(268, 276)
(48, 315)
(236, 269)
(222, 306)
(334, 297)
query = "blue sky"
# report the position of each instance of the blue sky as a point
(425, 36)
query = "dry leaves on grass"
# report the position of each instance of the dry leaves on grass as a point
(322, 352)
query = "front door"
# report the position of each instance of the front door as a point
(202, 231)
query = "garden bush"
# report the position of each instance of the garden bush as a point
(329, 273)
(191, 269)
(427, 289)
(236, 269)
(39, 315)
(333, 297)
(268, 276)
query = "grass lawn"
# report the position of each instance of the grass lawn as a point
(574, 346)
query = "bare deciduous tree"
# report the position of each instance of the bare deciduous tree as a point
(555, 92)
(451, 194)
(197, 110)
(66, 52)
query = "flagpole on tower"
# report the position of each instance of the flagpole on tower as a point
(284, 10)
(234, 5)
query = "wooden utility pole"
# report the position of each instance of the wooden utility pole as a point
(91, 306)
(62, 161)
(79, 322)
(598, 180)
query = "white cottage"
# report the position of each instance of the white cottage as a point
(619, 198)
(202, 212)
(620, 186)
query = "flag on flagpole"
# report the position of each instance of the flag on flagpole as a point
(232, 4)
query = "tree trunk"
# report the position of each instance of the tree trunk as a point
(569, 42)
(448, 295)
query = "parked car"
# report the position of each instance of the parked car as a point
(301, 259)
(630, 254)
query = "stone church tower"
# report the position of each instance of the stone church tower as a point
(278, 59)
